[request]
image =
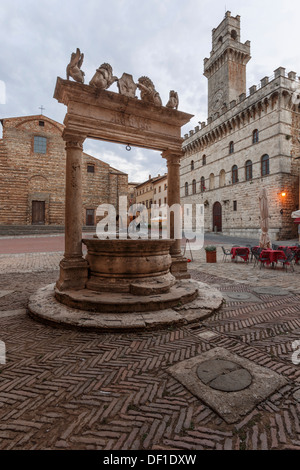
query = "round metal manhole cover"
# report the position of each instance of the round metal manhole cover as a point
(270, 290)
(226, 376)
(239, 295)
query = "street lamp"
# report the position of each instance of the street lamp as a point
(283, 196)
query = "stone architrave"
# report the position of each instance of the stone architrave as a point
(127, 86)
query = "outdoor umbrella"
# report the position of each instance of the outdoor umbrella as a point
(264, 241)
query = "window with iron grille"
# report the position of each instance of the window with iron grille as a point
(91, 168)
(40, 144)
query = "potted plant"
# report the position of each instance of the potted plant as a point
(211, 254)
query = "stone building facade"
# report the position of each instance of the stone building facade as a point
(152, 191)
(32, 175)
(250, 141)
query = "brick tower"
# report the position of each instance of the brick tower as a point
(226, 67)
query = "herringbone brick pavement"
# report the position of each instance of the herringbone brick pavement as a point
(65, 389)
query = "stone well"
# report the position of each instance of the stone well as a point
(136, 266)
(129, 287)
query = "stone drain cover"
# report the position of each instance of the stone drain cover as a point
(226, 376)
(229, 384)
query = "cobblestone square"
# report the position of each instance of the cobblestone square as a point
(66, 389)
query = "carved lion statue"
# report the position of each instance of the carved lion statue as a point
(148, 92)
(173, 100)
(103, 77)
(73, 68)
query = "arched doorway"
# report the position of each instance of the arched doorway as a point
(217, 216)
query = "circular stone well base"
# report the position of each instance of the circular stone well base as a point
(43, 306)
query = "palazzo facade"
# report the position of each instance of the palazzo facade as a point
(250, 141)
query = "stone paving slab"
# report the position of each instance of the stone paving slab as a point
(232, 405)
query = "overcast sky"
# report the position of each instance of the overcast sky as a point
(165, 40)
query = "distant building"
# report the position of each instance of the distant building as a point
(131, 196)
(152, 191)
(250, 141)
(32, 175)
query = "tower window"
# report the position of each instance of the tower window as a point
(204, 160)
(235, 205)
(40, 144)
(233, 34)
(231, 147)
(192, 165)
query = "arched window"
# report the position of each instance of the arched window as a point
(231, 147)
(233, 34)
(186, 189)
(204, 160)
(202, 184)
(248, 170)
(255, 136)
(211, 181)
(265, 165)
(222, 178)
(194, 187)
(192, 165)
(234, 174)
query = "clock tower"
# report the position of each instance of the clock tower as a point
(226, 67)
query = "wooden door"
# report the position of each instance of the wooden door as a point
(90, 217)
(217, 216)
(38, 212)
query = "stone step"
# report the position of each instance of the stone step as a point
(109, 302)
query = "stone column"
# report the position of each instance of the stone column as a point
(73, 267)
(179, 263)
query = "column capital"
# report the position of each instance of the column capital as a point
(73, 140)
(172, 156)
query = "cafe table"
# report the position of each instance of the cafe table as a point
(271, 256)
(241, 251)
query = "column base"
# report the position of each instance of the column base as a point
(73, 274)
(179, 268)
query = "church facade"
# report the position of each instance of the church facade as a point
(32, 175)
(250, 141)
